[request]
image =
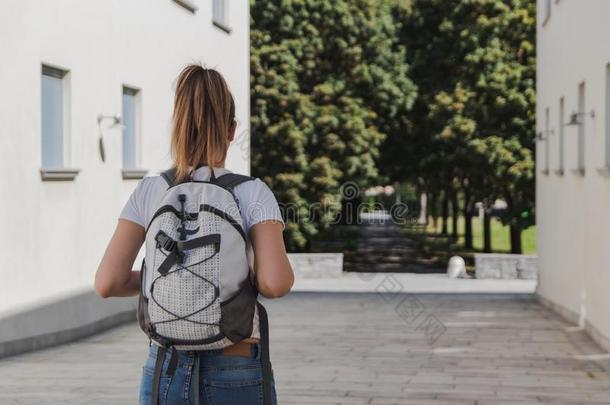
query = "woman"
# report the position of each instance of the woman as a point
(203, 127)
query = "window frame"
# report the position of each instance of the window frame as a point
(546, 11)
(547, 139)
(604, 170)
(62, 171)
(188, 5)
(561, 138)
(134, 171)
(581, 130)
(223, 24)
(607, 123)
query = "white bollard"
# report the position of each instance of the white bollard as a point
(456, 267)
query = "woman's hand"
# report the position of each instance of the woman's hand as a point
(274, 274)
(114, 277)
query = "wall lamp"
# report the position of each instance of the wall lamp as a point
(115, 120)
(574, 117)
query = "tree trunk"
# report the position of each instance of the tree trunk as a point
(445, 214)
(467, 220)
(486, 229)
(423, 209)
(433, 212)
(515, 230)
(454, 215)
(515, 239)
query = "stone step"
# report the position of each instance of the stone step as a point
(410, 267)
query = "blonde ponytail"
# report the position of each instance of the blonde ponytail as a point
(204, 111)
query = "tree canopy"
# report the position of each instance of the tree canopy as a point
(433, 92)
(329, 82)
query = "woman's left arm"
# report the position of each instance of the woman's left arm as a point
(114, 277)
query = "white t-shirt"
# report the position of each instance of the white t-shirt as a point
(256, 201)
(256, 204)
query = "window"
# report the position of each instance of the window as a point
(220, 14)
(560, 166)
(580, 159)
(547, 140)
(130, 124)
(52, 117)
(546, 11)
(54, 124)
(607, 146)
(187, 4)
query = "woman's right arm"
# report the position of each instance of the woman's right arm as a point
(274, 274)
(114, 277)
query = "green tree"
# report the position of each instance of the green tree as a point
(329, 82)
(499, 70)
(473, 124)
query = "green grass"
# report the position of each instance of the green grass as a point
(500, 235)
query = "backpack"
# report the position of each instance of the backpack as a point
(197, 288)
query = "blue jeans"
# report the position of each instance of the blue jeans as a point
(223, 380)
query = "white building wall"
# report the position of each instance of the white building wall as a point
(573, 220)
(54, 233)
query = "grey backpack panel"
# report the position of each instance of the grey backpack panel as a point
(196, 288)
(205, 204)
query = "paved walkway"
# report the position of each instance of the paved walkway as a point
(359, 349)
(383, 246)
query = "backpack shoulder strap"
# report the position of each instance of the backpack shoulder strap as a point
(170, 176)
(232, 180)
(265, 358)
(228, 181)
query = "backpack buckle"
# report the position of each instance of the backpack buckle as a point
(165, 241)
(169, 245)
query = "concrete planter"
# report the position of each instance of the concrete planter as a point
(316, 265)
(505, 266)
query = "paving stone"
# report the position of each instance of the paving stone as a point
(342, 348)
